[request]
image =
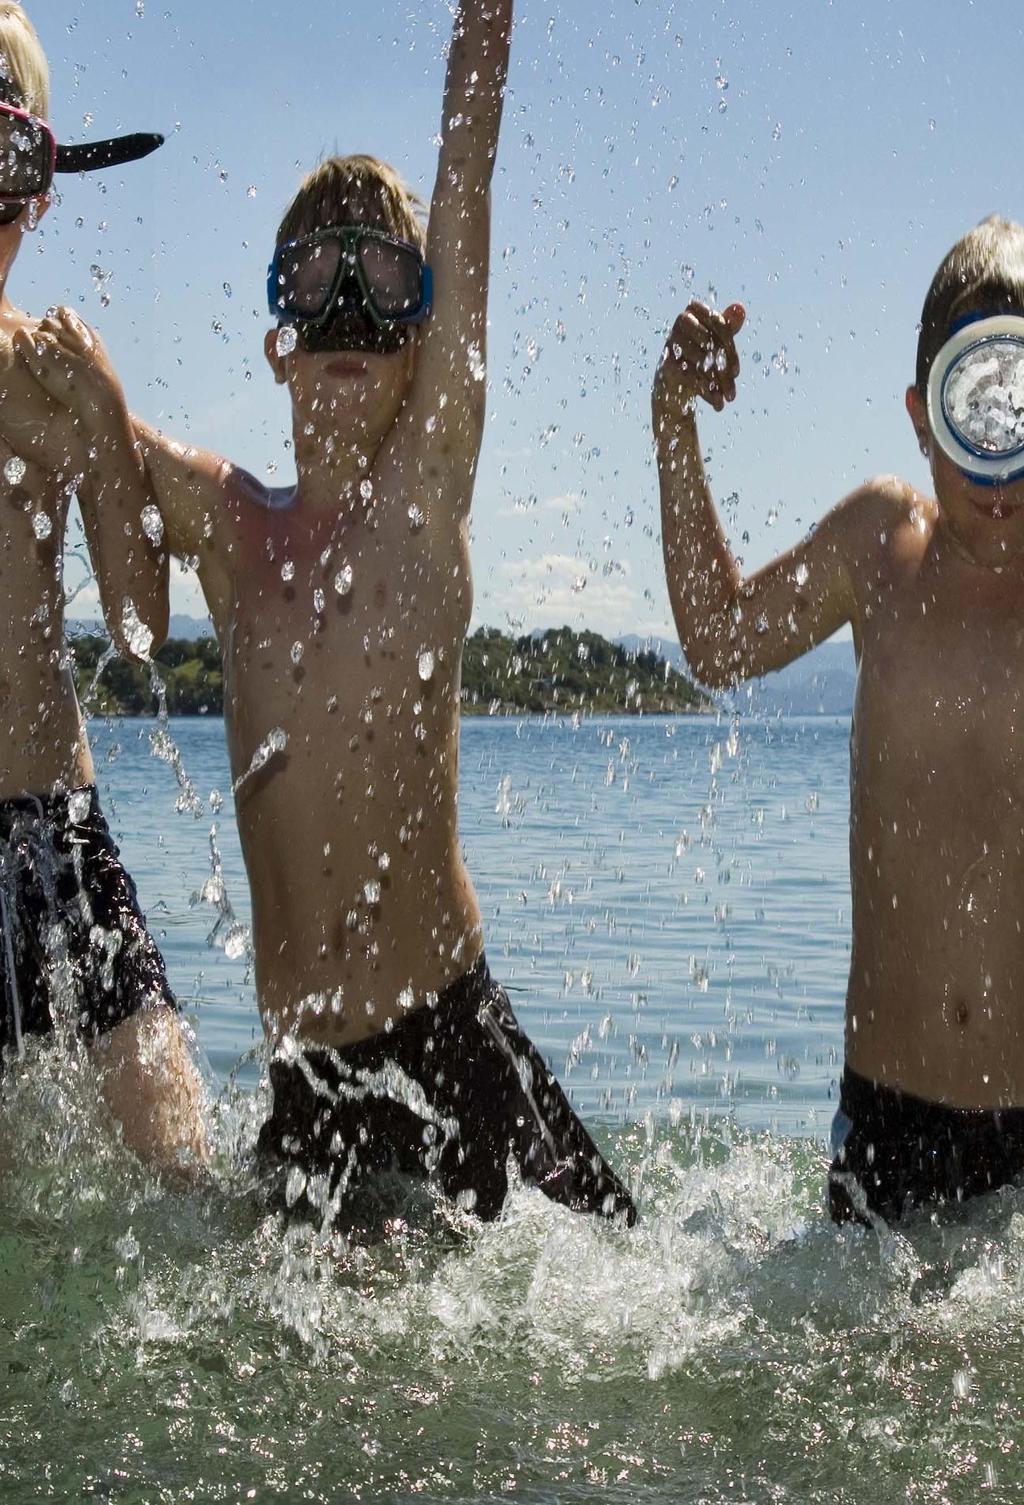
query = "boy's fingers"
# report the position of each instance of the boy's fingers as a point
(77, 328)
(735, 317)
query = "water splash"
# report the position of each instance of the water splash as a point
(273, 743)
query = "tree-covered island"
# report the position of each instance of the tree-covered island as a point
(560, 671)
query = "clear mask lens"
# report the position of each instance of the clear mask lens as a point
(306, 278)
(983, 397)
(393, 277)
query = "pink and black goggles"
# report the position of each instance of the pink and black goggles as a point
(30, 155)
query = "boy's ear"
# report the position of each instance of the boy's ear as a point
(918, 410)
(275, 361)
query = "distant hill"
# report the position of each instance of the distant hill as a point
(190, 629)
(822, 683)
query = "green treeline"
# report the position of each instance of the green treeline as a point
(562, 671)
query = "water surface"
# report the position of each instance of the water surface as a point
(668, 901)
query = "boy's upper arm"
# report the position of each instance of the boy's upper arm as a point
(189, 485)
(806, 594)
(450, 359)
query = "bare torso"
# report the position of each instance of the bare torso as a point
(936, 991)
(42, 739)
(362, 906)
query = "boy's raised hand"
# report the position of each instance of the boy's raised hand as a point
(70, 362)
(699, 360)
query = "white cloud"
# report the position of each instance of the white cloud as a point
(562, 588)
(569, 505)
(186, 594)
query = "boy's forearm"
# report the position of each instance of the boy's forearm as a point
(474, 92)
(704, 580)
(131, 566)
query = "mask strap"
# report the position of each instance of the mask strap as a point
(111, 153)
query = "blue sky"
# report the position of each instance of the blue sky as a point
(814, 160)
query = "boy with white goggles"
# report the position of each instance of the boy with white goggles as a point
(342, 605)
(931, 1104)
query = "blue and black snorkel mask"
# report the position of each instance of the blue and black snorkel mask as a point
(350, 287)
(30, 153)
(976, 399)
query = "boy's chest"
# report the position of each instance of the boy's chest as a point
(347, 628)
(940, 694)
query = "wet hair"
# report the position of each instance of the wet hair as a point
(982, 274)
(355, 190)
(24, 71)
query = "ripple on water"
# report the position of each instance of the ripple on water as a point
(733, 1346)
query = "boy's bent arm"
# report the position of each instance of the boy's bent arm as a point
(450, 381)
(70, 363)
(733, 628)
(189, 485)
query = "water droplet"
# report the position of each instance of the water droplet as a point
(250, 192)
(274, 742)
(319, 600)
(235, 942)
(152, 524)
(801, 574)
(14, 470)
(384, 862)
(773, 517)
(366, 489)
(297, 651)
(137, 634)
(140, 7)
(426, 665)
(343, 580)
(777, 130)
(100, 278)
(406, 998)
(42, 526)
(227, 289)
(415, 517)
(288, 571)
(371, 891)
(287, 339)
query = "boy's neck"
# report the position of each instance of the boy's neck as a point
(332, 472)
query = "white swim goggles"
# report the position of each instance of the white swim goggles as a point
(976, 399)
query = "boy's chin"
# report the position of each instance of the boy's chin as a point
(993, 531)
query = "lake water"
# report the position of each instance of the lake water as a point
(668, 903)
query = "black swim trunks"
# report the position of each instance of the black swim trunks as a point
(449, 1093)
(74, 948)
(894, 1151)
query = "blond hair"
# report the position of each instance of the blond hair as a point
(359, 190)
(22, 60)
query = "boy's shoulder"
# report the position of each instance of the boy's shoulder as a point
(886, 518)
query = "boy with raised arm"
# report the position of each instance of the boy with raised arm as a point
(341, 606)
(932, 1098)
(75, 953)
